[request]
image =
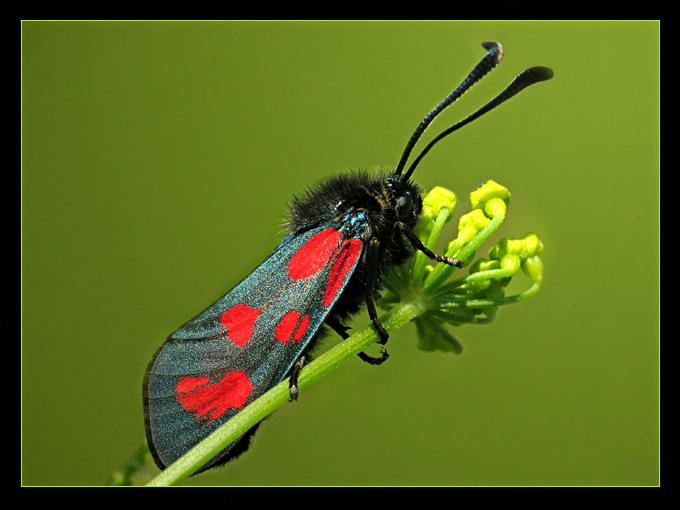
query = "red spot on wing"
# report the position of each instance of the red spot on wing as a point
(314, 254)
(189, 383)
(291, 327)
(240, 321)
(349, 253)
(200, 398)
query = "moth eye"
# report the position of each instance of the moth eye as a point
(404, 205)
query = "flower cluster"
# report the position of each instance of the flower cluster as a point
(470, 299)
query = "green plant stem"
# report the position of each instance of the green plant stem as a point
(421, 259)
(491, 274)
(280, 394)
(441, 272)
(446, 303)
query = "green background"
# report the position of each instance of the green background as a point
(157, 161)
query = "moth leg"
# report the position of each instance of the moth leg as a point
(337, 327)
(418, 245)
(294, 373)
(342, 331)
(374, 361)
(372, 264)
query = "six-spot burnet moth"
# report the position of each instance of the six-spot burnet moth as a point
(345, 235)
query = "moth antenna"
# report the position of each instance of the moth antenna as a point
(492, 58)
(522, 81)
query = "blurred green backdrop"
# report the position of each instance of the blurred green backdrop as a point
(157, 161)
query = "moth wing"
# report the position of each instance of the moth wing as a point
(245, 343)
